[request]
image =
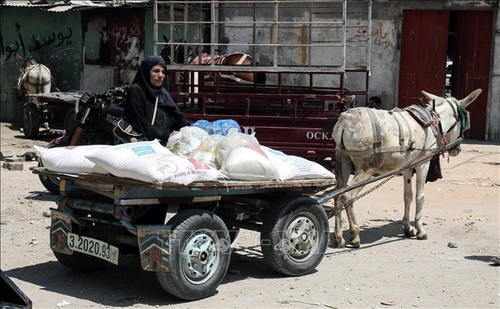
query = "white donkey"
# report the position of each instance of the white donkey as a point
(375, 142)
(35, 78)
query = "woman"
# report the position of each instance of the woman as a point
(149, 107)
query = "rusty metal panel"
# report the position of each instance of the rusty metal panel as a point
(471, 64)
(423, 54)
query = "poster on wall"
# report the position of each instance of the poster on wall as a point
(114, 38)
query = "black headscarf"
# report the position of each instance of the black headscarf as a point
(142, 78)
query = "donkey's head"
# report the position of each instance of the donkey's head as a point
(453, 115)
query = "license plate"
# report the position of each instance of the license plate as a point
(94, 247)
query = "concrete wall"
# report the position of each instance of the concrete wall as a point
(53, 39)
(63, 54)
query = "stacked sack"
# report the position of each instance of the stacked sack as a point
(204, 151)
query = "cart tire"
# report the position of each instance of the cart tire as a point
(295, 236)
(50, 183)
(31, 120)
(195, 275)
(80, 262)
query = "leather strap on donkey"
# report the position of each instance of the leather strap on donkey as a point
(420, 114)
(423, 116)
(426, 119)
(377, 141)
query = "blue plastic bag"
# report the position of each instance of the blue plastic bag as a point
(205, 125)
(223, 126)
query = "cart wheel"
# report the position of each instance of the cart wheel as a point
(80, 262)
(31, 120)
(200, 254)
(50, 183)
(69, 121)
(295, 236)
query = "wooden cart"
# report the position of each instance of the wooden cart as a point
(53, 110)
(184, 233)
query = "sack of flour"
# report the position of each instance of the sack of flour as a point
(231, 141)
(248, 163)
(293, 167)
(70, 159)
(150, 162)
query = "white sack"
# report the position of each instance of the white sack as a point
(293, 167)
(151, 162)
(70, 159)
(231, 141)
(248, 163)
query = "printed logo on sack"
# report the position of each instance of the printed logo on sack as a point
(166, 166)
(143, 150)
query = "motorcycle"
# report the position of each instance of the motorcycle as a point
(98, 121)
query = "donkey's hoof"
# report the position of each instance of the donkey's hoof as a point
(422, 236)
(340, 243)
(356, 242)
(410, 232)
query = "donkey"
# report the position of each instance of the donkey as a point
(35, 78)
(394, 141)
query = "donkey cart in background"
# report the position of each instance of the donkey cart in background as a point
(52, 111)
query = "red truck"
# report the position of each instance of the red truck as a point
(297, 120)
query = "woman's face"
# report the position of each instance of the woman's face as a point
(157, 75)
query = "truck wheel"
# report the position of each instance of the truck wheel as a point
(295, 236)
(50, 183)
(200, 252)
(31, 120)
(80, 262)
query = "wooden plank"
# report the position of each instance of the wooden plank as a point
(108, 180)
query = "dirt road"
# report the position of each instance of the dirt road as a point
(451, 269)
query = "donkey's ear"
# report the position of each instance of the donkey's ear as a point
(470, 98)
(430, 96)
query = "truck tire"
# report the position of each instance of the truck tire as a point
(80, 262)
(31, 120)
(200, 255)
(294, 236)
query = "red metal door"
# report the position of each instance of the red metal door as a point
(471, 64)
(423, 55)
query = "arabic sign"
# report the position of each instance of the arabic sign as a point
(25, 44)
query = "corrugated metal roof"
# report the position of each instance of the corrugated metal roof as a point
(67, 5)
